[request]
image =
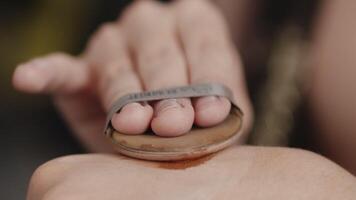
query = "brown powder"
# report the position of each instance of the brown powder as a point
(184, 164)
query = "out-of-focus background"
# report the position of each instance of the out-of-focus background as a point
(31, 131)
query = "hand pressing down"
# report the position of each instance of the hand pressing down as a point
(152, 46)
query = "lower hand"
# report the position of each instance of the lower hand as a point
(239, 172)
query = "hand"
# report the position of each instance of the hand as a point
(152, 46)
(239, 172)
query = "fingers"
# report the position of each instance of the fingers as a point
(55, 73)
(211, 58)
(112, 64)
(147, 45)
(160, 63)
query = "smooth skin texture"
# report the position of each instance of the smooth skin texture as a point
(152, 46)
(238, 173)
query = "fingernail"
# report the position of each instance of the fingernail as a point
(132, 107)
(132, 119)
(205, 101)
(143, 103)
(167, 104)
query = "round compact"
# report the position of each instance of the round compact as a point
(196, 143)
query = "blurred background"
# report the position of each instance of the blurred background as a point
(31, 131)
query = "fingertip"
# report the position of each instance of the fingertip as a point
(210, 111)
(27, 78)
(173, 117)
(133, 118)
(172, 123)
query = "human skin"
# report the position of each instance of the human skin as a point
(241, 172)
(151, 46)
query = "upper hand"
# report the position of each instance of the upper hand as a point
(151, 46)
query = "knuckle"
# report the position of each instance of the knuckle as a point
(103, 32)
(196, 8)
(200, 16)
(141, 10)
(106, 30)
(107, 39)
(142, 6)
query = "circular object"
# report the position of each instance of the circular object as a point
(196, 143)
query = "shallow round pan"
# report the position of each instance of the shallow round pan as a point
(196, 143)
